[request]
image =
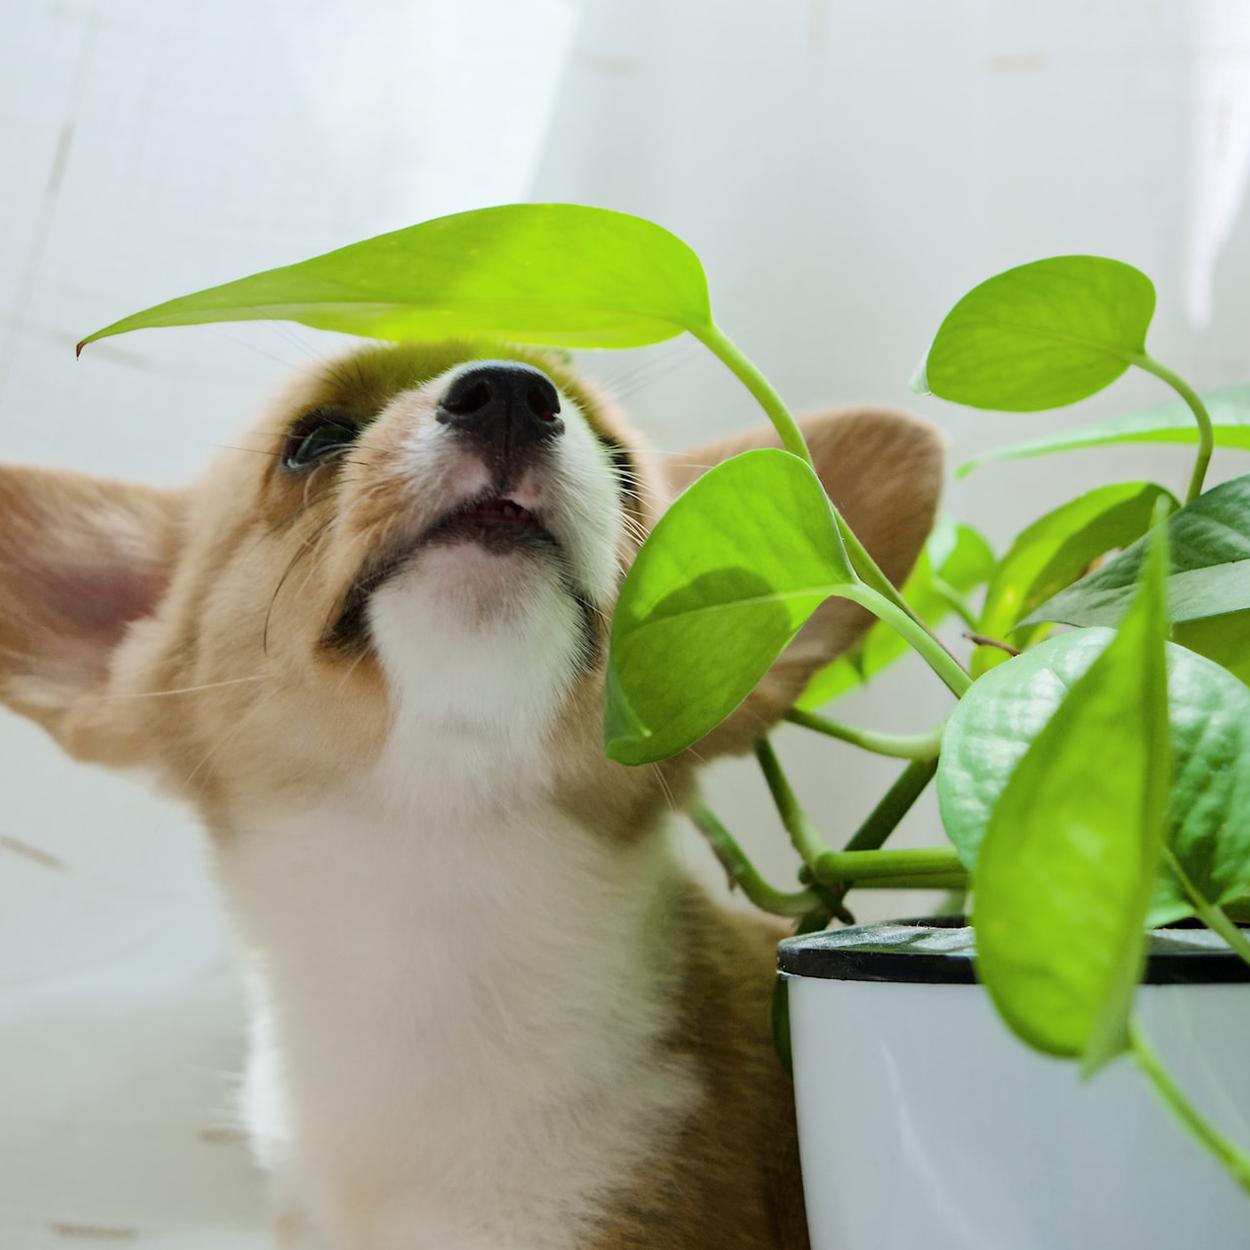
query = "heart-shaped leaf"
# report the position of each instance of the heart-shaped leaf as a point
(560, 274)
(1057, 549)
(727, 577)
(1041, 335)
(1170, 422)
(1209, 808)
(957, 558)
(1210, 572)
(1069, 857)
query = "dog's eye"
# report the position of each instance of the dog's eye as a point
(316, 435)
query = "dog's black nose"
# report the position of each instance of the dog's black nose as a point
(508, 409)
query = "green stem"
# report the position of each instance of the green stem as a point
(724, 348)
(745, 875)
(860, 862)
(807, 841)
(1235, 1160)
(954, 902)
(894, 804)
(1206, 435)
(925, 881)
(1212, 914)
(916, 635)
(716, 341)
(811, 923)
(899, 746)
(836, 867)
(954, 600)
(870, 573)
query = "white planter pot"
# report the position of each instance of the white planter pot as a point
(925, 1125)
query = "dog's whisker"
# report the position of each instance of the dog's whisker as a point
(178, 690)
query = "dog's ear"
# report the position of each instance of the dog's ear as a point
(82, 562)
(883, 469)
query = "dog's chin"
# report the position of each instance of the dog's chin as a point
(474, 633)
(484, 576)
(477, 558)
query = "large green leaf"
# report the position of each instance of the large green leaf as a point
(1041, 335)
(1070, 854)
(1055, 550)
(729, 574)
(1170, 422)
(1209, 809)
(1210, 569)
(559, 274)
(1224, 639)
(956, 558)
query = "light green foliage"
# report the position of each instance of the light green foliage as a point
(1224, 639)
(726, 580)
(1041, 335)
(1066, 868)
(989, 733)
(956, 558)
(1054, 551)
(1170, 422)
(559, 274)
(1209, 574)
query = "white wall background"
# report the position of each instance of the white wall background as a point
(845, 169)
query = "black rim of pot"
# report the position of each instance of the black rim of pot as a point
(937, 950)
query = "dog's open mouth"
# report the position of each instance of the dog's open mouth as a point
(493, 522)
(496, 522)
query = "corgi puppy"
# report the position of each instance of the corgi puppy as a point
(488, 1010)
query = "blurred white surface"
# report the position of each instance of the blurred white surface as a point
(846, 170)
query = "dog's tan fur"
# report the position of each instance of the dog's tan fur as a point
(184, 632)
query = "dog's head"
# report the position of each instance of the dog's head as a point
(414, 536)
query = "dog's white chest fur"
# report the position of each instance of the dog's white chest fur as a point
(459, 996)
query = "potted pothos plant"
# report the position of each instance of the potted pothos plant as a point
(1093, 780)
